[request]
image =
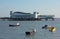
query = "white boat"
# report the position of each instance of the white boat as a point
(12, 25)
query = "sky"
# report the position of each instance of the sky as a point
(44, 7)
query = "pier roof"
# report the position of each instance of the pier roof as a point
(21, 12)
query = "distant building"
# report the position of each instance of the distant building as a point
(23, 15)
(46, 16)
(28, 15)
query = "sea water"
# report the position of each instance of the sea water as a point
(18, 32)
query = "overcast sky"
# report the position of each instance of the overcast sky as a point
(44, 7)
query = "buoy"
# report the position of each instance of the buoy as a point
(53, 29)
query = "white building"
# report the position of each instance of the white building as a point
(23, 15)
(28, 15)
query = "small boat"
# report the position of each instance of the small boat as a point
(50, 28)
(30, 32)
(12, 25)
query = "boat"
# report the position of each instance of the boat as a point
(30, 32)
(50, 28)
(12, 25)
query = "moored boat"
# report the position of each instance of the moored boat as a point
(13, 25)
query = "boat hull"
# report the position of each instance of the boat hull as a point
(13, 25)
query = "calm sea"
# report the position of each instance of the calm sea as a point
(7, 32)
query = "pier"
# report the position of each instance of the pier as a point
(23, 16)
(26, 19)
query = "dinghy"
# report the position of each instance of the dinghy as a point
(30, 32)
(13, 25)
